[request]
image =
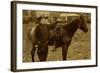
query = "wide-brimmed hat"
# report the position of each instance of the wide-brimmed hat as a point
(39, 18)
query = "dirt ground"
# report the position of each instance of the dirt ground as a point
(78, 50)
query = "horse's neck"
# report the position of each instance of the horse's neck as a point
(52, 25)
(71, 27)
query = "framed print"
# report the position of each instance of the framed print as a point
(48, 36)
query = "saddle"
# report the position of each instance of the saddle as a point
(58, 32)
(55, 35)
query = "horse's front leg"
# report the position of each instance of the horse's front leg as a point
(33, 52)
(64, 51)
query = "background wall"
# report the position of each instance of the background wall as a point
(5, 37)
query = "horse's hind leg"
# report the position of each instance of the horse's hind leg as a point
(33, 52)
(64, 51)
(42, 53)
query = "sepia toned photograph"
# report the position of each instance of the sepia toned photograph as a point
(47, 36)
(56, 36)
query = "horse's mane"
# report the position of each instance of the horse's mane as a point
(73, 23)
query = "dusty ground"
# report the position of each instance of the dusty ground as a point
(78, 50)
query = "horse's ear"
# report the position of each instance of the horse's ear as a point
(83, 18)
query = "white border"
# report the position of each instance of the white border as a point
(21, 65)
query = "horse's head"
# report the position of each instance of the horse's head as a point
(83, 23)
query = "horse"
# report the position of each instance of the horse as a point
(64, 33)
(59, 36)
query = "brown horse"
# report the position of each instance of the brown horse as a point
(60, 35)
(64, 33)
